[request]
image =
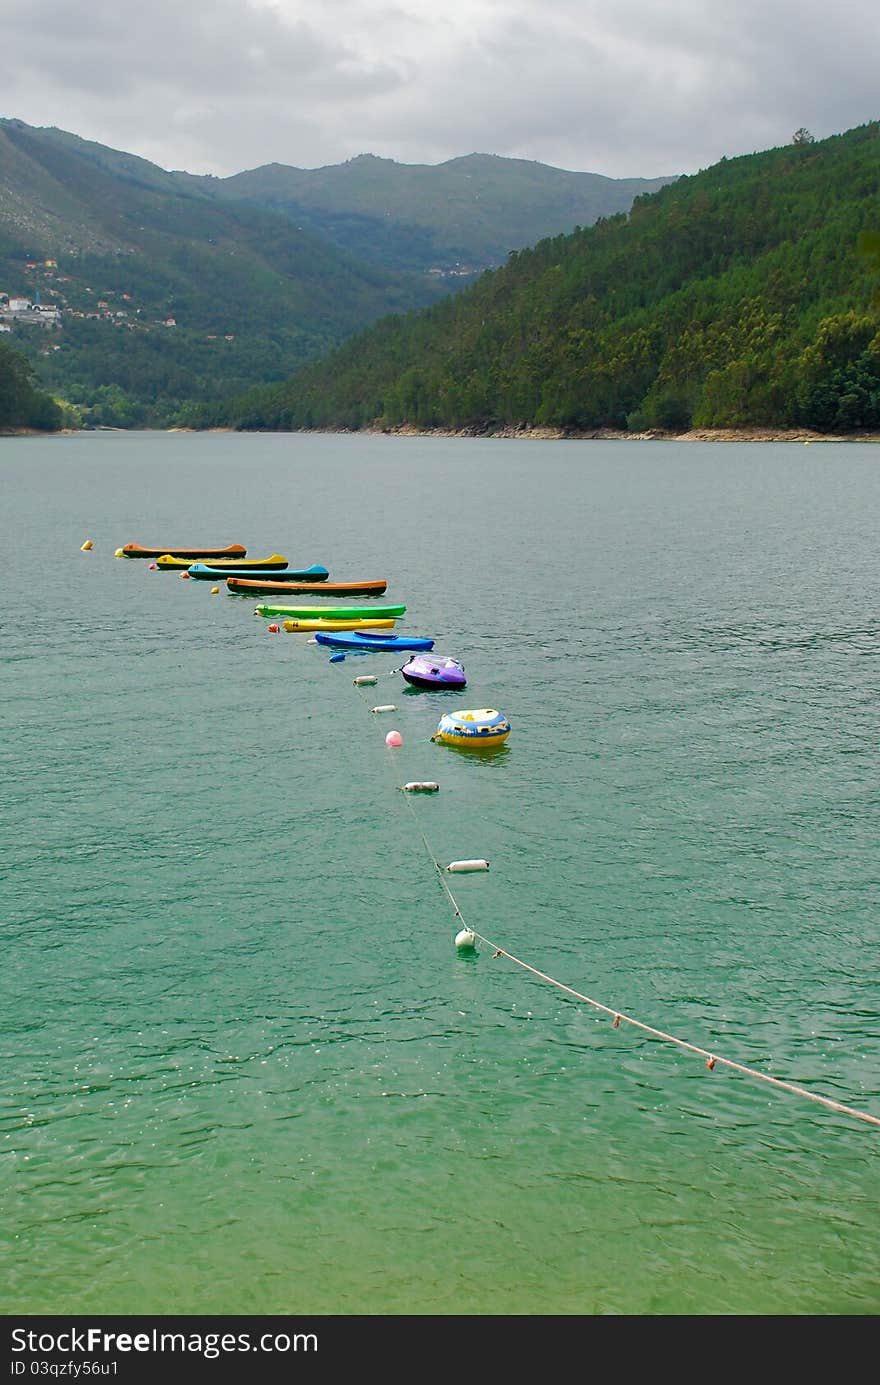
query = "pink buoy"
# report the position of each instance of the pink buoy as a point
(152, 567)
(273, 629)
(394, 738)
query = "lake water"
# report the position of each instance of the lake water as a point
(247, 1071)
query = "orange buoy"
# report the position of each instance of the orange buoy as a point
(273, 629)
(184, 574)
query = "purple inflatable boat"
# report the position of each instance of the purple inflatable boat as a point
(434, 671)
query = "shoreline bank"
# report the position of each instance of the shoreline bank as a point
(803, 435)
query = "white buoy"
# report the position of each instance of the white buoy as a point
(389, 708)
(459, 867)
(420, 786)
(466, 940)
(365, 680)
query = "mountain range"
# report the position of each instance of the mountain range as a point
(173, 287)
(459, 217)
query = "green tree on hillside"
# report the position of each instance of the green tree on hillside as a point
(868, 246)
(21, 405)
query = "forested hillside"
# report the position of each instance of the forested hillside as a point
(741, 296)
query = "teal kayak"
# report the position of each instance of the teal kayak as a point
(207, 573)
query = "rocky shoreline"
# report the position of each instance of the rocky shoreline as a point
(803, 435)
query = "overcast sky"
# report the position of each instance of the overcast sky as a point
(628, 88)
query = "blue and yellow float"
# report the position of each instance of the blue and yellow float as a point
(482, 726)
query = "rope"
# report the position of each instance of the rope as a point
(711, 1058)
(619, 1017)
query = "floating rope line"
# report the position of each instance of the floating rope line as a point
(711, 1058)
(619, 1017)
(441, 874)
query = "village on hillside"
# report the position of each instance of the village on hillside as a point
(18, 311)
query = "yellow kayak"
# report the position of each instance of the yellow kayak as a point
(297, 625)
(168, 562)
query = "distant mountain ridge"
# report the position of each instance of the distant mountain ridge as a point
(475, 208)
(468, 212)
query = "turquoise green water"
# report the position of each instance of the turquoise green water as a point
(246, 1070)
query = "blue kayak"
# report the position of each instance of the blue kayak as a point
(207, 573)
(357, 639)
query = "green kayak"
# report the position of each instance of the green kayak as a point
(331, 612)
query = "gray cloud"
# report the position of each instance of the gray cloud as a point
(626, 89)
